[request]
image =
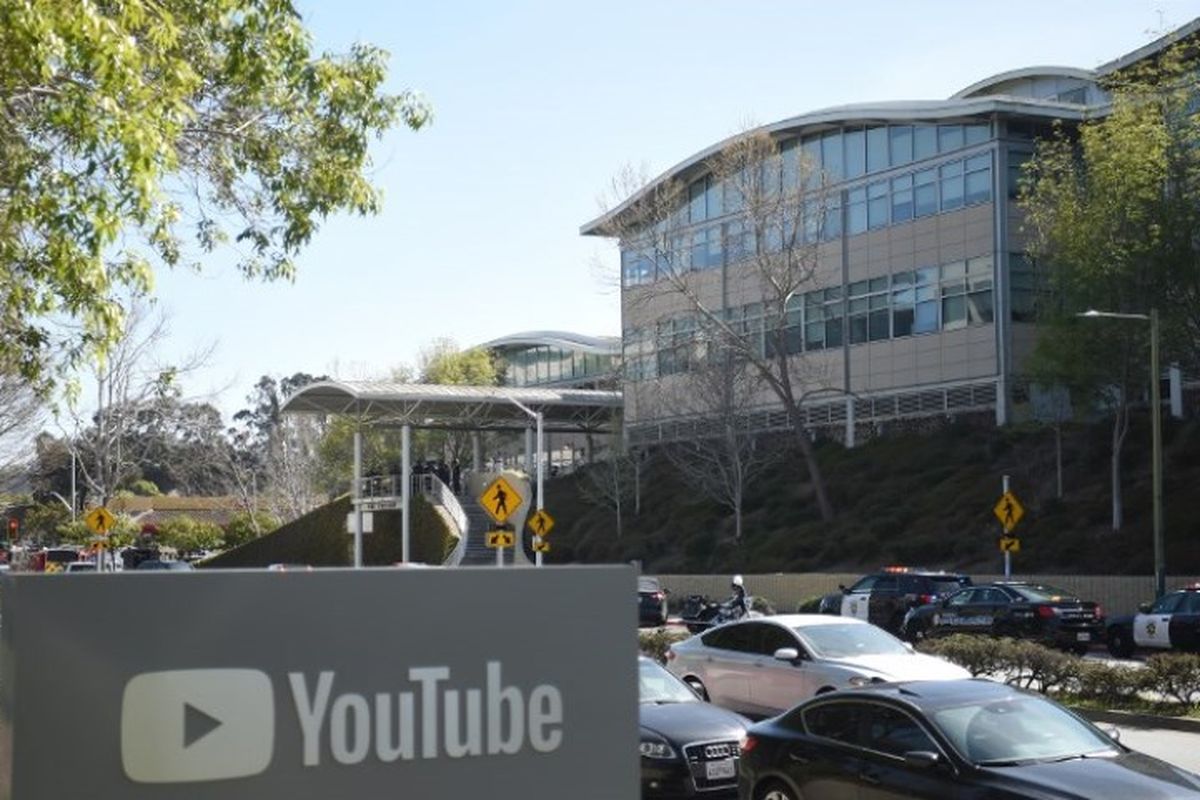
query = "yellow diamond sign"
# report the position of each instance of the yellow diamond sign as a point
(100, 520)
(541, 523)
(500, 500)
(500, 539)
(1009, 511)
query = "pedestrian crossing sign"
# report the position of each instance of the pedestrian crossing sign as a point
(500, 500)
(541, 523)
(1009, 511)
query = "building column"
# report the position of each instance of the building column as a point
(357, 495)
(405, 489)
(476, 451)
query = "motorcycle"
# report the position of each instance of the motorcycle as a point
(699, 613)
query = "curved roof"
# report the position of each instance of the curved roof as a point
(1000, 78)
(389, 404)
(879, 112)
(604, 345)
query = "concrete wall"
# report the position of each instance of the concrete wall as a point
(1118, 594)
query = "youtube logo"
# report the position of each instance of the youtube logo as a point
(197, 725)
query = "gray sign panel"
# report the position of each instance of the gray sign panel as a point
(335, 683)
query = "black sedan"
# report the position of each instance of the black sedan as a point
(652, 602)
(1046, 614)
(946, 739)
(1171, 623)
(688, 747)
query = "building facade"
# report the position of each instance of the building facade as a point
(557, 359)
(921, 301)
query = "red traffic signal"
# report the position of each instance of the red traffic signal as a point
(14, 527)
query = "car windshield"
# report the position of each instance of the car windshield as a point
(947, 585)
(846, 640)
(1041, 593)
(648, 585)
(656, 685)
(1019, 729)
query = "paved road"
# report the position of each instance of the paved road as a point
(1176, 747)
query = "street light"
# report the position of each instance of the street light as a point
(1160, 574)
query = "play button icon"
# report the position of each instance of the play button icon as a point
(197, 725)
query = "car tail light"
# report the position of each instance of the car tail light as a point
(1045, 612)
(1098, 611)
(659, 595)
(926, 599)
(748, 743)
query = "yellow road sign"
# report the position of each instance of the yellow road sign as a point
(1010, 544)
(100, 520)
(1008, 510)
(541, 523)
(541, 546)
(500, 500)
(500, 539)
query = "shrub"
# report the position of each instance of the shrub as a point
(655, 643)
(1175, 676)
(243, 527)
(1097, 680)
(1033, 666)
(762, 605)
(978, 655)
(188, 535)
(809, 605)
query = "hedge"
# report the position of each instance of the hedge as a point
(654, 643)
(319, 539)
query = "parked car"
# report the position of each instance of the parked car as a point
(1172, 622)
(1046, 614)
(80, 566)
(884, 597)
(155, 564)
(652, 602)
(761, 667)
(687, 746)
(946, 739)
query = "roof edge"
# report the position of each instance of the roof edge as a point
(1024, 72)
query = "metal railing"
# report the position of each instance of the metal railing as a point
(380, 492)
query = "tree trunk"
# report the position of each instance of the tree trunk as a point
(737, 522)
(810, 461)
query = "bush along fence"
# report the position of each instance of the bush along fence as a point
(1168, 684)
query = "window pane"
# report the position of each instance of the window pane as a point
(696, 206)
(831, 156)
(712, 199)
(979, 186)
(858, 329)
(902, 321)
(856, 153)
(856, 211)
(810, 161)
(901, 144)
(950, 137)
(790, 154)
(952, 185)
(954, 312)
(979, 308)
(877, 149)
(924, 141)
(879, 327)
(978, 133)
(832, 225)
(877, 205)
(893, 732)
(925, 193)
(926, 317)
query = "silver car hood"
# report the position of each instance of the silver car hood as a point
(906, 667)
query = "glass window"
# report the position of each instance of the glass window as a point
(877, 205)
(951, 185)
(925, 315)
(737, 241)
(856, 211)
(1018, 728)
(901, 144)
(924, 141)
(977, 133)
(962, 598)
(979, 179)
(696, 207)
(925, 201)
(877, 148)
(831, 156)
(902, 304)
(954, 312)
(1168, 603)
(712, 198)
(831, 227)
(789, 154)
(846, 640)
(773, 637)
(838, 721)
(810, 161)
(950, 137)
(856, 152)
(891, 731)
(1016, 163)
(902, 199)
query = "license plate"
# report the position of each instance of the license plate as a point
(716, 770)
(1083, 637)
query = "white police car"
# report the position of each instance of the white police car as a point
(1172, 622)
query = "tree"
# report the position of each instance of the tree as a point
(1112, 211)
(245, 527)
(131, 128)
(723, 457)
(188, 535)
(445, 364)
(773, 252)
(612, 482)
(21, 411)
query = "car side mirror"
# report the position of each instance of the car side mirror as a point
(788, 654)
(1112, 733)
(909, 646)
(1144, 608)
(921, 759)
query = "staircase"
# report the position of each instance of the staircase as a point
(478, 523)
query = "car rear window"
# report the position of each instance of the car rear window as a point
(945, 585)
(1042, 593)
(647, 585)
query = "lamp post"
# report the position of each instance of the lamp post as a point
(1160, 573)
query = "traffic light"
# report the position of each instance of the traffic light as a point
(14, 527)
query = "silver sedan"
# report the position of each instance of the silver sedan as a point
(765, 666)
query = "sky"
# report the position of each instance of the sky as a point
(537, 106)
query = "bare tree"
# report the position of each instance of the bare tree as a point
(613, 482)
(723, 457)
(778, 204)
(21, 412)
(292, 466)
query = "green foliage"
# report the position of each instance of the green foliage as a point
(42, 522)
(809, 605)
(144, 488)
(188, 535)
(444, 363)
(123, 532)
(247, 526)
(112, 111)
(1175, 676)
(1108, 683)
(654, 643)
(979, 655)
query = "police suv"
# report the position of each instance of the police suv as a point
(1172, 622)
(884, 597)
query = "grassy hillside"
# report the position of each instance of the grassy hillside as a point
(922, 500)
(319, 538)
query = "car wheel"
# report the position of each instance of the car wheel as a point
(775, 791)
(1119, 643)
(698, 687)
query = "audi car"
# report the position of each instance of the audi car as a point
(946, 740)
(1172, 622)
(884, 597)
(1045, 614)
(764, 666)
(687, 746)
